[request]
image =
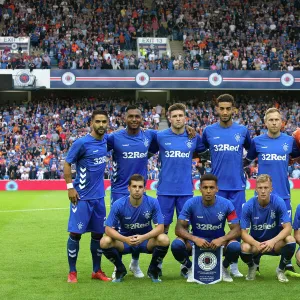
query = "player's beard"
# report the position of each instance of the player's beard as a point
(100, 131)
(226, 119)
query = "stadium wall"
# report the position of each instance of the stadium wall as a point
(172, 80)
(60, 185)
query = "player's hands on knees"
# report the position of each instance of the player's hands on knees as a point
(190, 131)
(202, 243)
(216, 243)
(73, 196)
(268, 246)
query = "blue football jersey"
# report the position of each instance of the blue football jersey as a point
(264, 222)
(134, 220)
(208, 222)
(176, 154)
(90, 156)
(130, 156)
(226, 149)
(273, 159)
(296, 224)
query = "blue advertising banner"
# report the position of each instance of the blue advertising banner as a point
(207, 265)
(200, 79)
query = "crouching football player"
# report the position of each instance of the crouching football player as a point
(133, 216)
(266, 216)
(207, 215)
(296, 227)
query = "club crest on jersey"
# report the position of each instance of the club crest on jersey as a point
(220, 216)
(237, 137)
(273, 214)
(285, 147)
(146, 142)
(147, 214)
(189, 143)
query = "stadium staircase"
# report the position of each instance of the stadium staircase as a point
(163, 123)
(176, 48)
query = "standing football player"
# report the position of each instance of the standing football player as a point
(87, 207)
(226, 142)
(130, 156)
(175, 185)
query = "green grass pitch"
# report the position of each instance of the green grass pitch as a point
(33, 261)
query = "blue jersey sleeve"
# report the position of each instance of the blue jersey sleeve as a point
(283, 213)
(246, 217)
(185, 214)
(110, 141)
(252, 153)
(200, 147)
(157, 216)
(296, 224)
(295, 150)
(204, 139)
(75, 152)
(247, 142)
(113, 218)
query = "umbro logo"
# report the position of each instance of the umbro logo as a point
(216, 137)
(95, 151)
(127, 218)
(125, 145)
(264, 147)
(200, 217)
(256, 218)
(167, 144)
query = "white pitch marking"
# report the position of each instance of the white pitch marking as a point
(36, 209)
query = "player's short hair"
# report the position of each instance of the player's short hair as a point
(263, 178)
(136, 177)
(99, 112)
(270, 111)
(177, 106)
(130, 107)
(225, 98)
(207, 177)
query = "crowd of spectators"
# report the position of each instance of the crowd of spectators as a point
(235, 35)
(97, 34)
(35, 136)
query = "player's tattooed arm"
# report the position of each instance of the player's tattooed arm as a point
(233, 234)
(72, 193)
(181, 230)
(246, 162)
(190, 131)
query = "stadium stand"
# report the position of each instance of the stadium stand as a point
(216, 35)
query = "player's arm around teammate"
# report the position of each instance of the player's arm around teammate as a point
(267, 218)
(207, 216)
(134, 214)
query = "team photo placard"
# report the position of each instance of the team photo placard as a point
(207, 265)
